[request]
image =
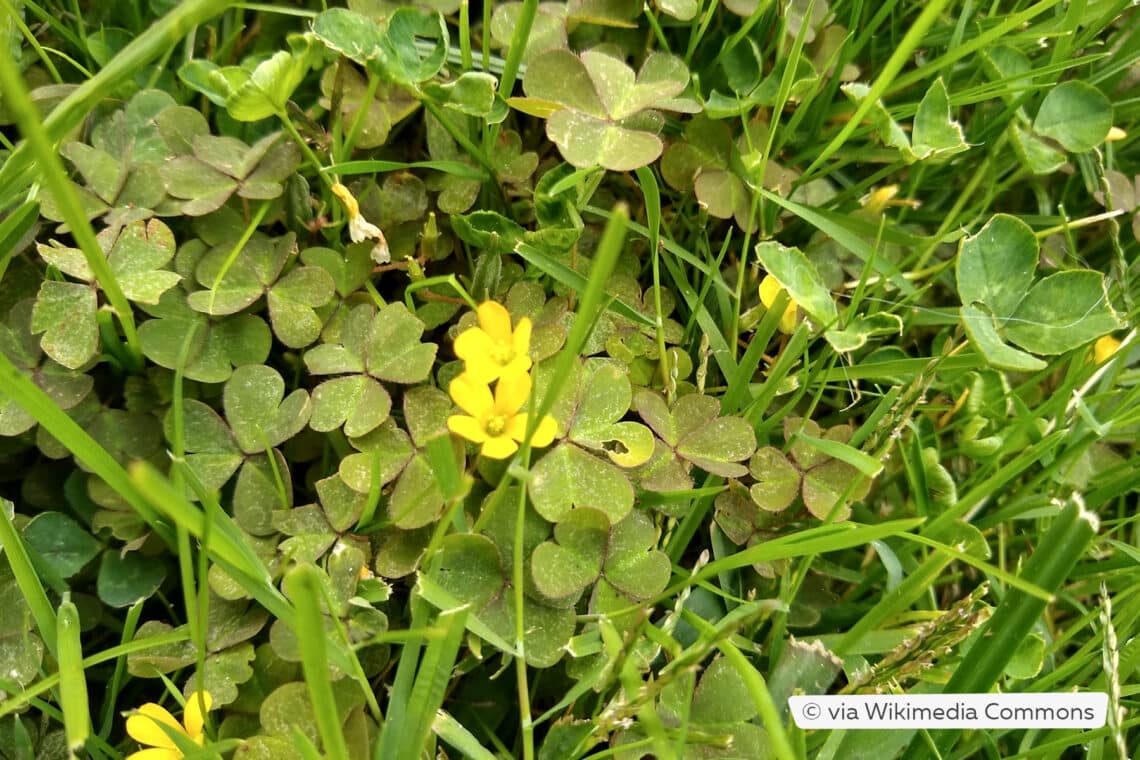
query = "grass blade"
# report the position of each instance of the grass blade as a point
(72, 680)
(303, 583)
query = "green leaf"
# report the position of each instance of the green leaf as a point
(797, 275)
(236, 283)
(1061, 312)
(568, 477)
(586, 141)
(416, 500)
(358, 402)
(696, 432)
(257, 494)
(223, 673)
(777, 480)
(722, 696)
(859, 329)
(825, 484)
(469, 568)
(351, 34)
(292, 302)
(128, 578)
(633, 565)
(604, 398)
(563, 569)
(979, 324)
(935, 133)
(472, 93)
(394, 350)
(388, 445)
(65, 314)
(258, 415)
(404, 60)
(996, 266)
(63, 543)
(1075, 114)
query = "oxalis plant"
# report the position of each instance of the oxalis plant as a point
(562, 380)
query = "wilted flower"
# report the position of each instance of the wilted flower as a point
(495, 422)
(145, 725)
(359, 228)
(493, 349)
(769, 290)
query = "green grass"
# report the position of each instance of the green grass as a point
(934, 498)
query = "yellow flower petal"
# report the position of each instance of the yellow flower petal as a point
(511, 393)
(1104, 348)
(467, 427)
(156, 753)
(769, 289)
(474, 346)
(522, 338)
(499, 447)
(471, 396)
(143, 726)
(496, 320)
(193, 716)
(350, 204)
(543, 434)
(788, 319)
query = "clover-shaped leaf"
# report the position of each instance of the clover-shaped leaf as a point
(384, 344)
(211, 451)
(65, 314)
(470, 569)
(599, 112)
(292, 301)
(394, 351)
(236, 282)
(214, 348)
(697, 433)
(65, 387)
(825, 479)
(633, 565)
(382, 454)
(65, 545)
(563, 567)
(342, 505)
(777, 480)
(1001, 302)
(259, 413)
(357, 402)
(217, 167)
(416, 500)
(568, 477)
(263, 488)
(604, 396)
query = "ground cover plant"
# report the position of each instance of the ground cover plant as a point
(563, 380)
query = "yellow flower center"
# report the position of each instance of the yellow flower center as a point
(496, 424)
(502, 353)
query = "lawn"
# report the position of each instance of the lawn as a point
(588, 379)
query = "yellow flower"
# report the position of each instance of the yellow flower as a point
(493, 349)
(495, 422)
(1104, 348)
(1116, 134)
(769, 289)
(360, 228)
(145, 725)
